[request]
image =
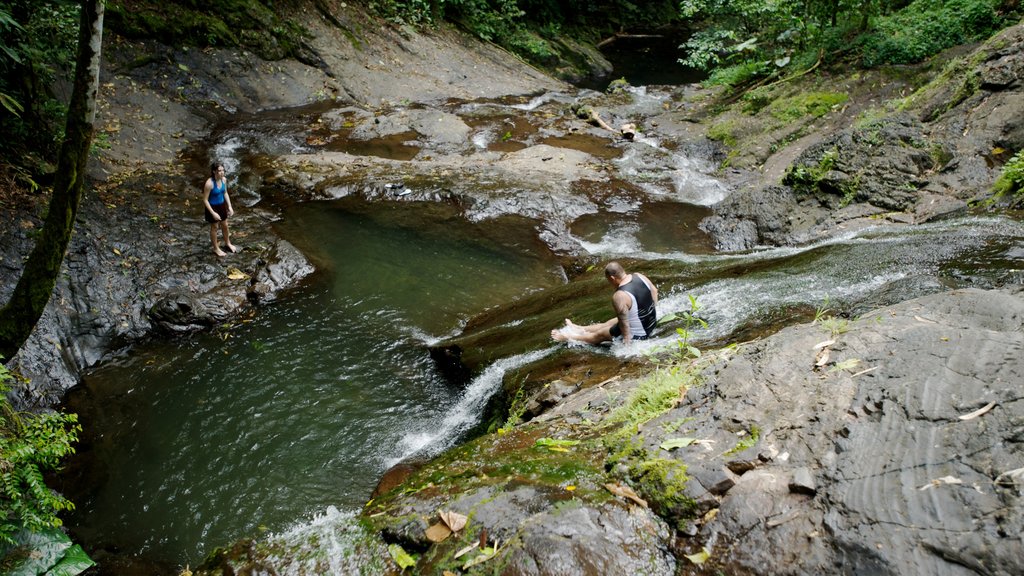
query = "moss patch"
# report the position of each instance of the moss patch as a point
(814, 104)
(228, 23)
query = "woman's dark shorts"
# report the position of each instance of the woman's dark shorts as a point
(220, 209)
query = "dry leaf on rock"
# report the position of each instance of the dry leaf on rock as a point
(454, 520)
(822, 358)
(467, 549)
(236, 274)
(824, 344)
(438, 533)
(1013, 476)
(626, 492)
(979, 411)
(700, 557)
(941, 481)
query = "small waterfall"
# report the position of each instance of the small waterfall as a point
(333, 543)
(433, 436)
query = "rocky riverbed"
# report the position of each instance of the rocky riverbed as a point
(837, 448)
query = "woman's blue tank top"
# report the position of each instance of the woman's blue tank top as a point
(217, 192)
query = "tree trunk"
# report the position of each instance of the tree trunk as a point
(19, 316)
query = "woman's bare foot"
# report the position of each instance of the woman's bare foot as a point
(233, 249)
(220, 252)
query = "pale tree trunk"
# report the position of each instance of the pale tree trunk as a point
(19, 316)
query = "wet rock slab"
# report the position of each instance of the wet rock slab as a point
(861, 462)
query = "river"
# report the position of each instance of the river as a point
(275, 421)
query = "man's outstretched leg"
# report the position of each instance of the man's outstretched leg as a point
(589, 334)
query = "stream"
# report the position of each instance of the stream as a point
(278, 421)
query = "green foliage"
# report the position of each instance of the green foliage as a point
(48, 552)
(1011, 179)
(29, 445)
(925, 27)
(748, 440)
(515, 411)
(806, 177)
(37, 47)
(737, 74)
(814, 104)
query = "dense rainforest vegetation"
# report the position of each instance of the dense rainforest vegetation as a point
(741, 44)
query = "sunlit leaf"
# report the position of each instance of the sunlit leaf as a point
(699, 557)
(400, 556)
(677, 443)
(554, 444)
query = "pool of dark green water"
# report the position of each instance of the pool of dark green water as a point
(259, 425)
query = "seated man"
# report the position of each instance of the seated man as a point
(633, 301)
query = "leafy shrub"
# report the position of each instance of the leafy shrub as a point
(30, 444)
(736, 74)
(1011, 180)
(926, 27)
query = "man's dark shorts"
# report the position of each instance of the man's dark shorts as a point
(616, 333)
(221, 210)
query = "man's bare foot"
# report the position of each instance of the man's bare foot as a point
(559, 336)
(571, 324)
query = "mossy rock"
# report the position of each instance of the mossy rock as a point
(225, 23)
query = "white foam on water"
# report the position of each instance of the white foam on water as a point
(323, 545)
(439, 432)
(619, 240)
(694, 184)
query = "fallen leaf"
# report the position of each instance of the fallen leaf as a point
(236, 274)
(400, 556)
(919, 319)
(453, 520)
(626, 492)
(555, 445)
(467, 549)
(570, 488)
(822, 358)
(824, 344)
(677, 443)
(116, 251)
(700, 557)
(485, 555)
(438, 532)
(979, 411)
(846, 365)
(449, 573)
(1013, 476)
(941, 481)
(865, 371)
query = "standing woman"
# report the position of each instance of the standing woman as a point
(218, 207)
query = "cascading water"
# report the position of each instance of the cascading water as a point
(281, 424)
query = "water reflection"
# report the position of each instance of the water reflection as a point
(302, 406)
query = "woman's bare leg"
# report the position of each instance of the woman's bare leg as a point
(213, 240)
